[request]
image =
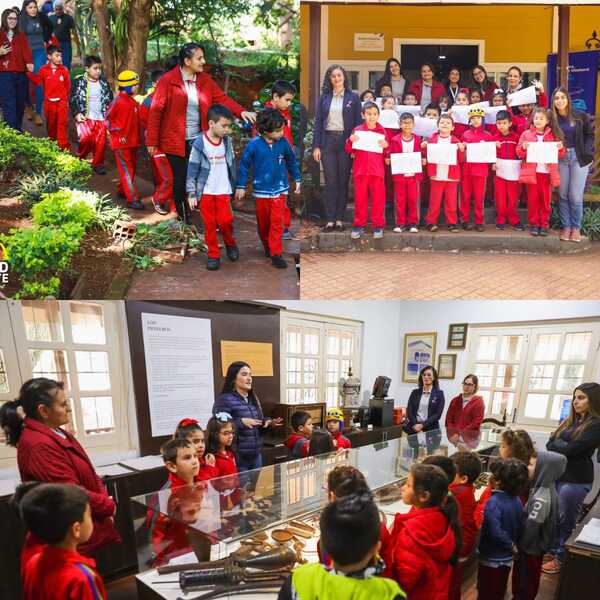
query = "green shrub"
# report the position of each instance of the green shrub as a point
(107, 212)
(63, 208)
(590, 221)
(31, 188)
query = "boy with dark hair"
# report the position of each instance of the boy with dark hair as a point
(210, 182)
(299, 442)
(271, 158)
(59, 515)
(181, 461)
(445, 463)
(91, 97)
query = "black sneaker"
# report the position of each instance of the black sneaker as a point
(213, 264)
(500, 226)
(328, 228)
(480, 228)
(233, 253)
(519, 227)
(543, 231)
(340, 227)
(535, 231)
(278, 262)
(160, 208)
(433, 227)
(100, 170)
(453, 228)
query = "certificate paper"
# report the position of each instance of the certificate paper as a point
(388, 118)
(524, 96)
(508, 169)
(542, 152)
(481, 152)
(491, 112)
(460, 114)
(368, 141)
(442, 154)
(406, 163)
(425, 127)
(404, 108)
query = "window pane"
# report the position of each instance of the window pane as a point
(569, 376)
(557, 404)
(97, 415)
(484, 372)
(42, 320)
(541, 377)
(87, 323)
(577, 346)
(332, 394)
(347, 344)
(310, 370)
(486, 350)
(294, 337)
(547, 346)
(51, 364)
(503, 401)
(333, 343)
(293, 396)
(535, 405)
(3, 378)
(333, 374)
(485, 394)
(311, 341)
(506, 376)
(92, 370)
(510, 347)
(293, 370)
(70, 426)
(344, 367)
(309, 395)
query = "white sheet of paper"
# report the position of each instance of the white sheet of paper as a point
(481, 152)
(590, 533)
(442, 154)
(491, 112)
(460, 114)
(388, 118)
(368, 141)
(542, 152)
(484, 104)
(508, 169)
(406, 163)
(143, 463)
(524, 96)
(407, 108)
(425, 127)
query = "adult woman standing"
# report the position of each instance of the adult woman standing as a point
(467, 409)
(514, 80)
(453, 84)
(425, 404)
(338, 113)
(240, 401)
(574, 166)
(178, 115)
(48, 453)
(427, 89)
(15, 61)
(393, 77)
(577, 438)
(483, 83)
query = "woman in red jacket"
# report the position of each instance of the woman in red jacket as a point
(46, 452)
(427, 89)
(466, 410)
(15, 60)
(178, 115)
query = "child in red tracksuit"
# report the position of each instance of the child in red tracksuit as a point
(56, 83)
(190, 430)
(334, 423)
(368, 170)
(298, 443)
(463, 98)
(474, 175)
(444, 179)
(425, 542)
(540, 178)
(60, 515)
(388, 103)
(125, 139)
(507, 170)
(407, 186)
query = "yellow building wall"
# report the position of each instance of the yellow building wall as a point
(583, 21)
(304, 45)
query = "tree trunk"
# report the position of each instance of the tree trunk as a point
(100, 8)
(139, 28)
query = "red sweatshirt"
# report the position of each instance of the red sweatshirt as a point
(453, 170)
(57, 574)
(342, 441)
(467, 416)
(460, 129)
(33, 545)
(465, 497)
(298, 445)
(56, 82)
(528, 170)
(370, 164)
(206, 471)
(474, 135)
(124, 122)
(508, 149)
(396, 148)
(17, 60)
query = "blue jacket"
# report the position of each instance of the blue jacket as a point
(501, 528)
(434, 410)
(199, 166)
(248, 439)
(271, 163)
(351, 113)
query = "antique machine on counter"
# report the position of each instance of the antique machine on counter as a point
(349, 397)
(381, 407)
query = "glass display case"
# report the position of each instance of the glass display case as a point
(247, 531)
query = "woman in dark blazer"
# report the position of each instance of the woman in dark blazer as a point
(338, 113)
(425, 404)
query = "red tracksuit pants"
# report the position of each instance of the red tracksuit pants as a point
(437, 190)
(527, 570)
(163, 180)
(472, 187)
(538, 201)
(269, 221)
(287, 215)
(506, 197)
(92, 139)
(126, 159)
(407, 201)
(492, 582)
(216, 212)
(365, 185)
(57, 122)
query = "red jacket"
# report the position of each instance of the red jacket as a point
(460, 129)
(298, 445)
(365, 163)
(166, 122)
(42, 455)
(206, 471)
(287, 128)
(57, 574)
(437, 90)
(469, 417)
(17, 60)
(342, 441)
(480, 508)
(56, 82)
(396, 148)
(453, 170)
(465, 497)
(419, 553)
(508, 149)
(474, 135)
(528, 170)
(32, 546)
(124, 122)
(488, 91)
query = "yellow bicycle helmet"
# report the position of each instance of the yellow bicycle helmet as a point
(127, 79)
(335, 414)
(477, 112)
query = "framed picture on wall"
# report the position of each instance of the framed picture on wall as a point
(419, 351)
(457, 336)
(446, 366)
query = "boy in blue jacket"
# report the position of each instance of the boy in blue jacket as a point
(271, 157)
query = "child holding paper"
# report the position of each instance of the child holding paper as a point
(368, 171)
(474, 175)
(462, 99)
(476, 97)
(410, 99)
(497, 100)
(444, 103)
(444, 179)
(388, 109)
(406, 185)
(540, 178)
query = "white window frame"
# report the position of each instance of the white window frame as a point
(397, 44)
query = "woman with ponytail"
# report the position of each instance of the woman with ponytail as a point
(47, 452)
(425, 542)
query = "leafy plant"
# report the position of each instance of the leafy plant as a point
(107, 212)
(63, 208)
(31, 188)
(590, 222)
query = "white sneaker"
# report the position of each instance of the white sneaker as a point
(398, 229)
(414, 229)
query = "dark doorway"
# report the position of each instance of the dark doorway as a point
(442, 57)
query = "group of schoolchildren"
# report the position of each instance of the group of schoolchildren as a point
(513, 130)
(212, 177)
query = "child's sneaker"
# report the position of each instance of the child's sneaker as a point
(414, 229)
(278, 262)
(433, 227)
(543, 231)
(377, 233)
(467, 226)
(534, 231)
(356, 233)
(480, 227)
(286, 235)
(552, 567)
(213, 264)
(137, 205)
(398, 229)
(100, 170)
(518, 227)
(160, 208)
(233, 253)
(500, 226)
(453, 228)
